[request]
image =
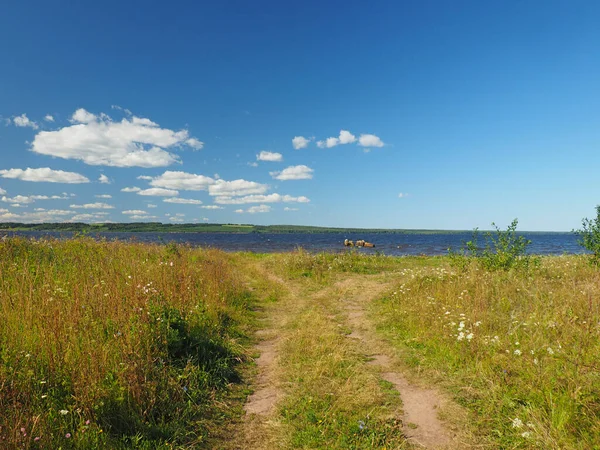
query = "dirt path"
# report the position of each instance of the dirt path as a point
(263, 427)
(420, 405)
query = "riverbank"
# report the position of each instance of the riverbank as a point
(121, 345)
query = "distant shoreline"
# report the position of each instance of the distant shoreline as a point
(155, 227)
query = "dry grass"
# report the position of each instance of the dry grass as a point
(115, 345)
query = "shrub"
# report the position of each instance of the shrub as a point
(590, 237)
(504, 250)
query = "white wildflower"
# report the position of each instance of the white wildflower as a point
(469, 336)
(526, 434)
(517, 352)
(461, 336)
(517, 423)
(550, 351)
(63, 412)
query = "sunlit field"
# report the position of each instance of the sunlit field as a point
(115, 345)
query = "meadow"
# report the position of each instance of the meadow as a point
(117, 345)
(128, 345)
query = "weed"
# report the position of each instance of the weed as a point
(590, 237)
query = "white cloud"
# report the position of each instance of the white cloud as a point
(370, 140)
(103, 196)
(133, 212)
(142, 217)
(2, 191)
(346, 137)
(176, 219)
(44, 174)
(253, 164)
(48, 118)
(158, 192)
(21, 199)
(211, 207)
(150, 205)
(82, 116)
(270, 198)
(97, 140)
(144, 177)
(402, 195)
(97, 205)
(239, 211)
(269, 156)
(182, 181)
(23, 121)
(195, 143)
(131, 189)
(300, 142)
(183, 201)
(290, 209)
(236, 188)
(259, 209)
(104, 179)
(294, 173)
(52, 215)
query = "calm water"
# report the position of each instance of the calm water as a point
(389, 244)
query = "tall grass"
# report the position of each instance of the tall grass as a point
(115, 345)
(520, 349)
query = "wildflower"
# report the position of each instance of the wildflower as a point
(550, 351)
(535, 361)
(477, 323)
(460, 336)
(361, 425)
(517, 423)
(68, 435)
(22, 430)
(64, 412)
(526, 434)
(469, 336)
(35, 439)
(461, 326)
(87, 422)
(517, 352)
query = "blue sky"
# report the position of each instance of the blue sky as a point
(445, 115)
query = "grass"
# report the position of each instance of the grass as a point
(120, 345)
(116, 345)
(519, 349)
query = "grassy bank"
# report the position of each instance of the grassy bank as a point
(115, 345)
(520, 350)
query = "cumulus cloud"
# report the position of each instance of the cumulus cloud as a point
(131, 189)
(290, 209)
(259, 209)
(269, 156)
(132, 212)
(176, 219)
(97, 140)
(183, 201)
(2, 191)
(345, 137)
(182, 181)
(104, 179)
(44, 174)
(103, 196)
(142, 217)
(144, 177)
(239, 211)
(97, 205)
(195, 143)
(301, 172)
(211, 207)
(40, 215)
(300, 142)
(159, 192)
(49, 118)
(270, 198)
(150, 205)
(26, 199)
(24, 121)
(370, 140)
(235, 188)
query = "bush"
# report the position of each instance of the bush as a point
(504, 250)
(590, 237)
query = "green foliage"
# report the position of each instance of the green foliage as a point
(503, 250)
(590, 237)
